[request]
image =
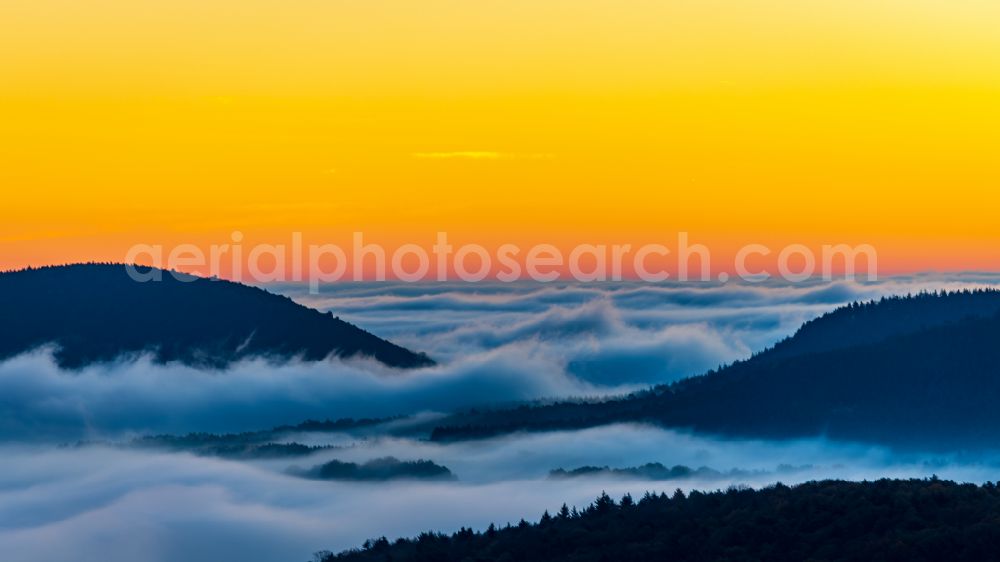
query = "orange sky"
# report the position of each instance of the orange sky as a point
(523, 121)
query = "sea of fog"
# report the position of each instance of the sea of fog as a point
(493, 343)
(107, 505)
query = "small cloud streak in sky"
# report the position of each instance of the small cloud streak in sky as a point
(479, 155)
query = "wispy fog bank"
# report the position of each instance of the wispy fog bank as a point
(107, 505)
(494, 344)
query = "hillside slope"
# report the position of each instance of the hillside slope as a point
(96, 312)
(933, 380)
(871, 322)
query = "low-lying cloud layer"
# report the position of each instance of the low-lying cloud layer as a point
(107, 505)
(494, 344)
(40, 401)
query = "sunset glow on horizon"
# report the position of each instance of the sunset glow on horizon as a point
(565, 122)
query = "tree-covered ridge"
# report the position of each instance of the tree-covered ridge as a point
(659, 471)
(97, 312)
(376, 470)
(905, 520)
(861, 323)
(932, 381)
(232, 446)
(267, 443)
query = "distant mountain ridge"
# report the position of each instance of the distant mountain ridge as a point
(96, 312)
(925, 372)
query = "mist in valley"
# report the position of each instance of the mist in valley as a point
(494, 345)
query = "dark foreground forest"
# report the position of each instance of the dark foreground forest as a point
(905, 520)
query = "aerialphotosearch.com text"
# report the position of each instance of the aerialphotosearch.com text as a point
(443, 260)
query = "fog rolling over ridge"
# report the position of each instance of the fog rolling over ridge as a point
(916, 371)
(494, 346)
(93, 313)
(506, 281)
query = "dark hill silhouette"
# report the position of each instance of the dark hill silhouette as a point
(375, 470)
(97, 312)
(911, 520)
(874, 321)
(936, 387)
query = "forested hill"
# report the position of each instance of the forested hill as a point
(97, 312)
(911, 520)
(874, 321)
(935, 387)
